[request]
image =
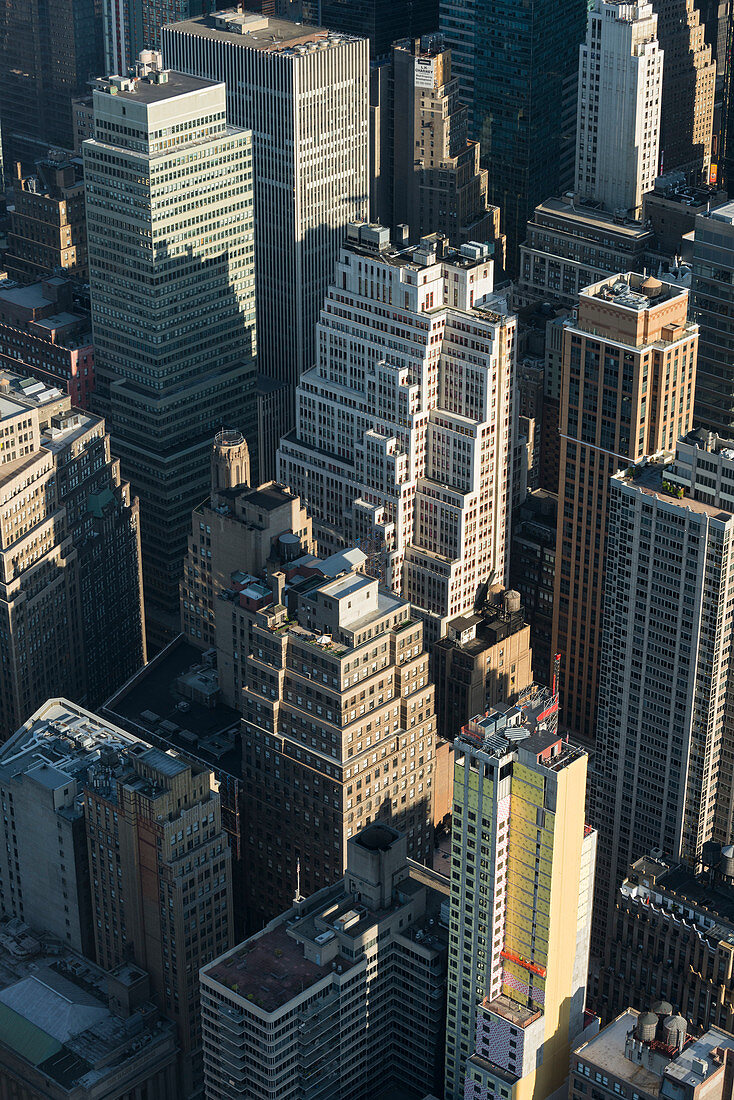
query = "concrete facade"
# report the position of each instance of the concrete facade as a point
(345, 991)
(620, 90)
(418, 472)
(665, 655)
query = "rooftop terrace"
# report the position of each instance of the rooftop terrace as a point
(649, 477)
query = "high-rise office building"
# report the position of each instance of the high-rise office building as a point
(48, 52)
(238, 532)
(712, 303)
(533, 571)
(629, 367)
(72, 601)
(619, 96)
(303, 92)
(570, 244)
(429, 173)
(518, 71)
(402, 440)
(370, 950)
(689, 87)
(173, 298)
(131, 27)
(662, 776)
(339, 729)
(383, 22)
(521, 890)
(170, 905)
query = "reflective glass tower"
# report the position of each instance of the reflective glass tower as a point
(518, 66)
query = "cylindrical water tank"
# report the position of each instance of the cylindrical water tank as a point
(727, 861)
(512, 601)
(662, 1009)
(290, 546)
(647, 1025)
(674, 1030)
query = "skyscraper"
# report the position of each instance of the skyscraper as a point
(304, 94)
(712, 293)
(629, 366)
(339, 728)
(433, 181)
(71, 607)
(517, 69)
(521, 890)
(402, 439)
(619, 96)
(131, 26)
(171, 268)
(48, 52)
(663, 775)
(689, 86)
(170, 905)
(383, 22)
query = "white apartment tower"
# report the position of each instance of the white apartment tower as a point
(402, 439)
(303, 91)
(618, 121)
(171, 267)
(663, 768)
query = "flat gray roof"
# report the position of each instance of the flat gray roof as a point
(270, 35)
(606, 1052)
(177, 84)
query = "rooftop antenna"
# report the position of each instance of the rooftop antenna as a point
(299, 896)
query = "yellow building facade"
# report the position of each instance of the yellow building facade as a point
(521, 895)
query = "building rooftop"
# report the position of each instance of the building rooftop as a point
(517, 1014)
(706, 899)
(635, 292)
(723, 213)
(141, 90)
(606, 1051)
(251, 31)
(590, 215)
(372, 239)
(271, 969)
(651, 1065)
(648, 478)
(29, 297)
(55, 1014)
(158, 706)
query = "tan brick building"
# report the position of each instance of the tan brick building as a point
(167, 900)
(629, 368)
(339, 730)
